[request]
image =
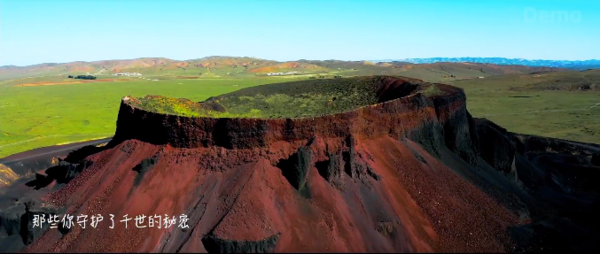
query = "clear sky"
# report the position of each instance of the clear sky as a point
(49, 31)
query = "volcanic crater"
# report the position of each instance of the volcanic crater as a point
(364, 164)
(258, 116)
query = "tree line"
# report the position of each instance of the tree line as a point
(82, 77)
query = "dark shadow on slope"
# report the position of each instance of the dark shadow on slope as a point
(41, 181)
(214, 244)
(549, 183)
(17, 221)
(595, 160)
(332, 169)
(81, 153)
(142, 168)
(389, 88)
(63, 173)
(296, 167)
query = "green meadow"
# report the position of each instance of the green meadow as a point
(38, 116)
(562, 114)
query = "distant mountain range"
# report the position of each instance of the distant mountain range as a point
(593, 63)
(244, 67)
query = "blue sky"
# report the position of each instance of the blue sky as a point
(47, 31)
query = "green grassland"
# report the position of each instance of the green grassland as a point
(37, 116)
(553, 113)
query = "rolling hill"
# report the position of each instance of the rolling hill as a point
(220, 66)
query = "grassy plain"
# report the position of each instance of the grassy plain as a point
(38, 116)
(561, 114)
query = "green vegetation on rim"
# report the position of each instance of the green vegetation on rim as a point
(308, 98)
(432, 90)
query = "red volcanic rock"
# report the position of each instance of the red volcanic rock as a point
(368, 180)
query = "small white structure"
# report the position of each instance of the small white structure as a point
(481, 77)
(282, 73)
(128, 74)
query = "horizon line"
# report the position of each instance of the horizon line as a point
(258, 58)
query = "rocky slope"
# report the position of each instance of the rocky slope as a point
(412, 173)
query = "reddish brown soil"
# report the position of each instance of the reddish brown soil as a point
(426, 205)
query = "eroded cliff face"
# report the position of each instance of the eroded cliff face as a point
(414, 173)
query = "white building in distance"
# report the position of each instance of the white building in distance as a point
(282, 73)
(128, 74)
